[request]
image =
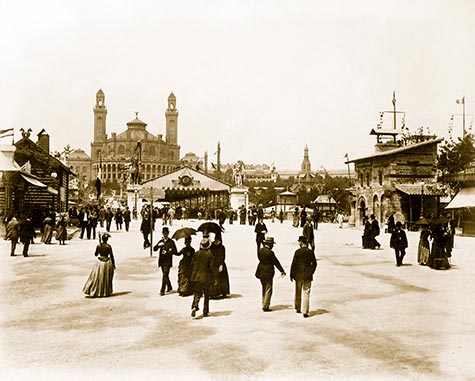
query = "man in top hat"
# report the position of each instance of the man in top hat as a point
(165, 258)
(303, 266)
(265, 271)
(398, 242)
(308, 233)
(202, 276)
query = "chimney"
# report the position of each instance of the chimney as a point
(43, 140)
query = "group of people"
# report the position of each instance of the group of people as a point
(441, 233)
(370, 232)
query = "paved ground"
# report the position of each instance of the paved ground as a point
(370, 320)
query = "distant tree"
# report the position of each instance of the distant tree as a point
(455, 156)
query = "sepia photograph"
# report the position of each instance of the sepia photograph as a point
(229, 190)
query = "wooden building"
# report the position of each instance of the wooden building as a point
(43, 182)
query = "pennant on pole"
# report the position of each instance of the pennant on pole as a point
(460, 101)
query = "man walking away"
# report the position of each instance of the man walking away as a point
(265, 271)
(374, 232)
(201, 276)
(127, 218)
(303, 266)
(399, 243)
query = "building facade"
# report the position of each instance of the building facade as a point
(156, 155)
(400, 178)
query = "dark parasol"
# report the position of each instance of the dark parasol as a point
(210, 227)
(184, 233)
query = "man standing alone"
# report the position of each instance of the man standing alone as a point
(308, 233)
(265, 271)
(303, 266)
(261, 231)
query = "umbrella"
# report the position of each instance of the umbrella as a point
(424, 221)
(184, 233)
(441, 220)
(210, 227)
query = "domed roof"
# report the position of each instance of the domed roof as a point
(78, 154)
(136, 123)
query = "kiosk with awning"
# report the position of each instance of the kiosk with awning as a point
(190, 189)
(464, 200)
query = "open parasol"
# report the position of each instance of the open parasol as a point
(424, 221)
(184, 233)
(210, 227)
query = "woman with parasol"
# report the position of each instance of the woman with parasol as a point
(184, 267)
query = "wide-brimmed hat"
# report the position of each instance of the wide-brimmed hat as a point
(269, 241)
(205, 243)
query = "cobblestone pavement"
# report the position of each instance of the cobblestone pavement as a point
(369, 320)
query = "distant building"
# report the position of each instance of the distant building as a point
(157, 155)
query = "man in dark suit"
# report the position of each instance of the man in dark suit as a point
(303, 266)
(202, 276)
(127, 218)
(261, 231)
(265, 271)
(167, 249)
(374, 232)
(308, 233)
(399, 243)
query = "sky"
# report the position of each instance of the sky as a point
(265, 78)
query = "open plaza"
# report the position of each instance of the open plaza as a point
(369, 320)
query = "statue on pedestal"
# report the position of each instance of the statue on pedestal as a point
(238, 173)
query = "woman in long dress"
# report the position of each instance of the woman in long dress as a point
(184, 269)
(47, 230)
(61, 232)
(438, 256)
(423, 250)
(220, 288)
(99, 283)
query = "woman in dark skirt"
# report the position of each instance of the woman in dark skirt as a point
(423, 250)
(184, 269)
(61, 232)
(438, 256)
(367, 237)
(99, 283)
(220, 288)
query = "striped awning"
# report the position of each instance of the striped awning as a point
(416, 189)
(33, 180)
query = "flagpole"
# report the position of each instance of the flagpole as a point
(463, 103)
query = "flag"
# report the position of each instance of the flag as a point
(460, 101)
(346, 157)
(394, 98)
(7, 132)
(98, 179)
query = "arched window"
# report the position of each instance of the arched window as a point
(380, 177)
(84, 169)
(368, 177)
(113, 169)
(121, 150)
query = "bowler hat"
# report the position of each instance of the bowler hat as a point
(205, 243)
(398, 224)
(302, 239)
(165, 230)
(269, 241)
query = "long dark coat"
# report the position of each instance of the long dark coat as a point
(303, 265)
(267, 261)
(202, 267)
(398, 239)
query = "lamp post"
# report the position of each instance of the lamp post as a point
(422, 198)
